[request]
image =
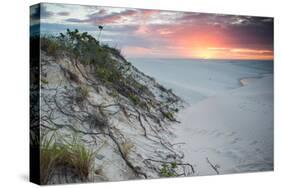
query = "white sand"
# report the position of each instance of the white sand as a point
(234, 130)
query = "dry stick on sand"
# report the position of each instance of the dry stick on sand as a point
(177, 163)
(213, 166)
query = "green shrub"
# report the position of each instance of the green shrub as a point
(168, 115)
(114, 93)
(50, 46)
(134, 98)
(116, 52)
(168, 169)
(104, 74)
(44, 81)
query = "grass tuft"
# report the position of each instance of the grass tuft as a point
(168, 115)
(50, 154)
(82, 92)
(68, 154)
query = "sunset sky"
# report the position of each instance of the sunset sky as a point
(164, 34)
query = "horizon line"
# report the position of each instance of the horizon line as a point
(194, 58)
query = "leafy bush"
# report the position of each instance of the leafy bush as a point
(116, 52)
(168, 170)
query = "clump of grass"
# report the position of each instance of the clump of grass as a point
(44, 81)
(50, 46)
(104, 74)
(168, 170)
(114, 93)
(134, 98)
(82, 92)
(50, 154)
(168, 115)
(67, 154)
(76, 155)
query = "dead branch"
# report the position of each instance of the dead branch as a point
(213, 166)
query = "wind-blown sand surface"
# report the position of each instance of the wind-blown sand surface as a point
(232, 131)
(228, 118)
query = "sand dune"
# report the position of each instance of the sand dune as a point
(231, 132)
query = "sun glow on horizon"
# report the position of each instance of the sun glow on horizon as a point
(204, 54)
(228, 53)
(165, 34)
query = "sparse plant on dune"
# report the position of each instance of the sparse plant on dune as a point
(78, 157)
(127, 147)
(50, 154)
(73, 154)
(82, 92)
(100, 29)
(168, 169)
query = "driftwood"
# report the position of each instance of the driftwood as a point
(213, 166)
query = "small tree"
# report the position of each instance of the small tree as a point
(100, 28)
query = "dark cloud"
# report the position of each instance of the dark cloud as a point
(113, 17)
(253, 35)
(180, 30)
(40, 11)
(246, 31)
(63, 13)
(102, 17)
(75, 20)
(222, 19)
(45, 13)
